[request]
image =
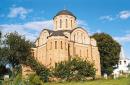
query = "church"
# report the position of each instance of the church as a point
(123, 64)
(66, 41)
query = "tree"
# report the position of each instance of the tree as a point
(0, 43)
(18, 48)
(109, 51)
(17, 51)
(75, 69)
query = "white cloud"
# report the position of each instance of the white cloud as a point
(98, 31)
(106, 18)
(124, 14)
(125, 38)
(39, 24)
(20, 12)
(31, 29)
(82, 23)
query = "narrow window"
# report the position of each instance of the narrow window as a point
(55, 44)
(124, 62)
(60, 23)
(71, 23)
(74, 37)
(120, 62)
(82, 37)
(51, 46)
(56, 24)
(66, 23)
(65, 46)
(77, 37)
(61, 45)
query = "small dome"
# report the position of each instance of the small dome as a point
(64, 12)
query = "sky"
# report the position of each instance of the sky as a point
(29, 17)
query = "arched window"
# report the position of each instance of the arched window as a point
(56, 24)
(120, 62)
(51, 46)
(60, 23)
(65, 46)
(77, 37)
(71, 23)
(87, 52)
(124, 62)
(66, 23)
(55, 44)
(82, 37)
(61, 45)
(74, 37)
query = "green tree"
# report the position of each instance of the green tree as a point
(18, 48)
(75, 69)
(0, 42)
(17, 51)
(109, 51)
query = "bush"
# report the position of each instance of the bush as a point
(40, 69)
(75, 69)
(34, 79)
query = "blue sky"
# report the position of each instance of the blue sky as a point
(29, 17)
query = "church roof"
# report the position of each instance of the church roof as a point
(59, 33)
(64, 12)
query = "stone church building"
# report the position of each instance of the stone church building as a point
(66, 41)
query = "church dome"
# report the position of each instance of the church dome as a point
(64, 12)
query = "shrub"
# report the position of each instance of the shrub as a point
(34, 79)
(40, 69)
(75, 69)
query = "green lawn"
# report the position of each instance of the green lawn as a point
(120, 81)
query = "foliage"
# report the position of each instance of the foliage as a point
(16, 51)
(34, 80)
(40, 69)
(17, 80)
(75, 69)
(18, 48)
(109, 51)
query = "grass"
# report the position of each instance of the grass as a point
(120, 81)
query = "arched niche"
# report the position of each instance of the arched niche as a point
(79, 35)
(43, 37)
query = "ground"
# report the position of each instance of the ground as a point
(120, 81)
